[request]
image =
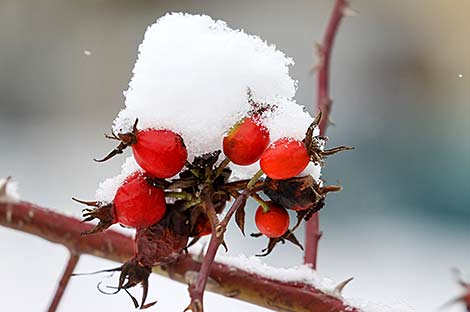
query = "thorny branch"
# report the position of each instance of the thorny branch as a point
(196, 290)
(300, 298)
(111, 245)
(312, 232)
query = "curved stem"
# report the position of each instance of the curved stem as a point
(260, 201)
(312, 232)
(255, 179)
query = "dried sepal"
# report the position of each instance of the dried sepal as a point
(103, 212)
(240, 219)
(272, 243)
(315, 144)
(126, 139)
(240, 216)
(289, 236)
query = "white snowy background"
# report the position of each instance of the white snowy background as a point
(401, 90)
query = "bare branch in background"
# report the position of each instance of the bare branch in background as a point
(341, 9)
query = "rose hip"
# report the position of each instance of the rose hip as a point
(246, 141)
(137, 204)
(161, 153)
(273, 223)
(284, 159)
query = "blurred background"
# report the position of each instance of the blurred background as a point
(400, 84)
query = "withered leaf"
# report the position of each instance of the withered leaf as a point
(240, 217)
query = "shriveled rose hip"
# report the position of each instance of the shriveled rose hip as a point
(137, 204)
(273, 223)
(284, 159)
(246, 141)
(161, 153)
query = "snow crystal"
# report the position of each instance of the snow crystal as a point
(107, 189)
(8, 190)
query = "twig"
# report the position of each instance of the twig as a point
(312, 232)
(196, 291)
(71, 264)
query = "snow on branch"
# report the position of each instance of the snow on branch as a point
(227, 277)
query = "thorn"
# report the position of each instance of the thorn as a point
(190, 277)
(318, 47)
(331, 188)
(349, 12)
(3, 187)
(339, 288)
(200, 256)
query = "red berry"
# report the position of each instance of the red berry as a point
(161, 153)
(273, 223)
(137, 204)
(246, 141)
(284, 159)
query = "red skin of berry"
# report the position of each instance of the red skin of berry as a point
(273, 223)
(284, 159)
(161, 153)
(246, 141)
(138, 204)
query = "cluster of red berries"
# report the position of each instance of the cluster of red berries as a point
(201, 189)
(162, 154)
(249, 141)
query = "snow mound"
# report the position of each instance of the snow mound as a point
(198, 77)
(193, 74)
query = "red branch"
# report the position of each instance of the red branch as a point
(71, 264)
(111, 245)
(312, 232)
(196, 290)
